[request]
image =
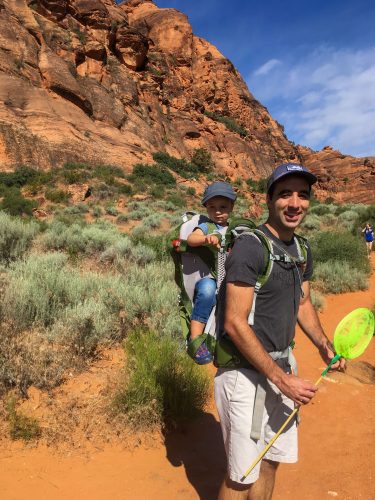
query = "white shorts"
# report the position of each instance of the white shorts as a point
(234, 396)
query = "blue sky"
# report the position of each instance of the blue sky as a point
(311, 63)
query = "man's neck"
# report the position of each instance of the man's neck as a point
(283, 234)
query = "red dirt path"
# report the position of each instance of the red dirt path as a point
(337, 456)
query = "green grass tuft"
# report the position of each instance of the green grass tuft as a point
(163, 386)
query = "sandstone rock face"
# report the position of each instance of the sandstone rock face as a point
(92, 81)
(341, 177)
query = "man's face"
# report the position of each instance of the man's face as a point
(218, 209)
(289, 202)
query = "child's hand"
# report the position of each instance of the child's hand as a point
(212, 239)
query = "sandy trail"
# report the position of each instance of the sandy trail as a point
(337, 456)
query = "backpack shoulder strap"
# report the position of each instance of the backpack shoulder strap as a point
(267, 268)
(302, 246)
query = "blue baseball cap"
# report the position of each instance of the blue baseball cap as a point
(290, 169)
(218, 189)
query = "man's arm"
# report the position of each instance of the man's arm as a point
(309, 322)
(239, 298)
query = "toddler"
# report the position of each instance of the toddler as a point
(218, 198)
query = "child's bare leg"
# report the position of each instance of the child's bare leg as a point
(196, 328)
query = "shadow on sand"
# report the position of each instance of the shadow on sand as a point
(199, 448)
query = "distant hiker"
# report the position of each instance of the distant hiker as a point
(369, 238)
(218, 198)
(254, 398)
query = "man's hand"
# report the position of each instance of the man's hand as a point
(327, 353)
(212, 239)
(299, 390)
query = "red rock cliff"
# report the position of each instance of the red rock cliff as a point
(92, 81)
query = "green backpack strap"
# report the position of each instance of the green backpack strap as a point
(267, 269)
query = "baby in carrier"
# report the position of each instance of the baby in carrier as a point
(218, 198)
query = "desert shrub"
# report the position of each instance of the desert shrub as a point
(259, 186)
(311, 222)
(79, 209)
(122, 218)
(78, 311)
(16, 237)
(77, 238)
(317, 300)
(177, 199)
(202, 159)
(103, 191)
(57, 195)
(137, 214)
(321, 209)
(347, 216)
(139, 231)
(152, 221)
(28, 357)
(97, 212)
(162, 385)
(152, 174)
(191, 191)
(74, 175)
(158, 243)
(116, 252)
(341, 247)
(83, 326)
(15, 204)
(111, 210)
(178, 165)
(329, 219)
(21, 426)
(106, 173)
(20, 177)
(165, 205)
(367, 214)
(125, 189)
(229, 122)
(157, 191)
(142, 254)
(335, 276)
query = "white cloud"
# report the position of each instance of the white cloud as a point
(326, 98)
(267, 67)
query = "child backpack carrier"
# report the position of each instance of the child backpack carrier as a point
(195, 263)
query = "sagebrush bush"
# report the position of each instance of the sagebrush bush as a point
(42, 288)
(317, 300)
(162, 385)
(28, 357)
(340, 246)
(15, 204)
(16, 237)
(152, 174)
(78, 238)
(311, 222)
(335, 276)
(322, 209)
(152, 221)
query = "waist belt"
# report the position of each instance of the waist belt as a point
(260, 391)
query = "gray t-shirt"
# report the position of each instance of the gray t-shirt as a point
(278, 300)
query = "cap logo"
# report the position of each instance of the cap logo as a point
(294, 168)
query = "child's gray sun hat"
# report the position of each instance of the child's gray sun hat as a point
(218, 189)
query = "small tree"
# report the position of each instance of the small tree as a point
(203, 160)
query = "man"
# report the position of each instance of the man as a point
(282, 301)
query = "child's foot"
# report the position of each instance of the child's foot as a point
(203, 355)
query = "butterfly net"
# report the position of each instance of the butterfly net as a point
(354, 333)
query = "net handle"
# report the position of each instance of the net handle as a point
(261, 455)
